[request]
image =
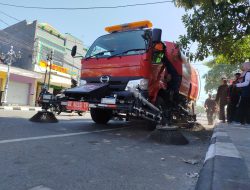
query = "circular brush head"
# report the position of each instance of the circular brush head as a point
(171, 136)
(44, 117)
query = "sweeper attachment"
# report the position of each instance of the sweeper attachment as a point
(165, 132)
(46, 99)
(47, 102)
(168, 135)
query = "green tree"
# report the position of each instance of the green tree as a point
(219, 27)
(239, 55)
(216, 72)
(199, 109)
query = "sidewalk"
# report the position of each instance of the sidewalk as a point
(21, 108)
(227, 162)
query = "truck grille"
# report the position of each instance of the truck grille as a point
(116, 83)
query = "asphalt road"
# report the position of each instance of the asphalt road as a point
(77, 154)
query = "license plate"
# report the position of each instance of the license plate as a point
(108, 100)
(47, 96)
(79, 106)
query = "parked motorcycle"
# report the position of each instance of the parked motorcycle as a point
(61, 106)
(56, 104)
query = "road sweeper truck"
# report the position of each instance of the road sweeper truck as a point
(131, 73)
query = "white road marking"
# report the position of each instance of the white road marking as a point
(222, 149)
(56, 136)
(40, 187)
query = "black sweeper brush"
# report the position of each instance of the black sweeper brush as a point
(44, 117)
(168, 135)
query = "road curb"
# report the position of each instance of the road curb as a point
(20, 108)
(224, 167)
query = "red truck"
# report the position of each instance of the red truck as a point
(131, 73)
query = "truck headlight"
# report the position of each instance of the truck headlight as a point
(139, 83)
(83, 82)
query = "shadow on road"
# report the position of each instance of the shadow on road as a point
(18, 125)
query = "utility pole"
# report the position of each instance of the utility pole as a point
(50, 60)
(10, 57)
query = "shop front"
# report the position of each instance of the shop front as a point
(21, 90)
(2, 83)
(59, 78)
(22, 86)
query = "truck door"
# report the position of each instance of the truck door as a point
(157, 72)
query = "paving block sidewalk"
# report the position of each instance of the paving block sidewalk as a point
(227, 162)
(22, 108)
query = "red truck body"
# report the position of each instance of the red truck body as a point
(141, 66)
(120, 74)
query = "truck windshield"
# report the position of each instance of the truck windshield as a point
(120, 43)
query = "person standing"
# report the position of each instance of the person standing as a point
(244, 106)
(174, 79)
(233, 100)
(221, 99)
(210, 106)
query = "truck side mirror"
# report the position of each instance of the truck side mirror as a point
(73, 51)
(156, 35)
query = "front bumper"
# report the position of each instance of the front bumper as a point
(118, 107)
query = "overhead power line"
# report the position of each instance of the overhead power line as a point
(4, 22)
(86, 8)
(9, 16)
(73, 41)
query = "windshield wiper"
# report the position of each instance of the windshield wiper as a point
(121, 53)
(100, 53)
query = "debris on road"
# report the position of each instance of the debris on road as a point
(106, 141)
(169, 177)
(191, 161)
(94, 142)
(192, 175)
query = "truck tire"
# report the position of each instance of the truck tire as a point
(100, 116)
(160, 103)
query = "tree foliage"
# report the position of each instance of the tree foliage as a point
(216, 72)
(240, 54)
(199, 109)
(220, 28)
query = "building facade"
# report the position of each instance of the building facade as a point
(36, 41)
(22, 85)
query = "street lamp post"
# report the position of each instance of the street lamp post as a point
(10, 57)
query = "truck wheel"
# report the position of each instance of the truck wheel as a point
(160, 103)
(100, 116)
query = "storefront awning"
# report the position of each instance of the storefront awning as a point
(21, 72)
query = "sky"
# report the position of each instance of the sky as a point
(87, 25)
